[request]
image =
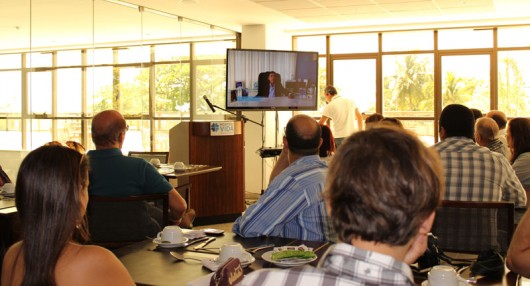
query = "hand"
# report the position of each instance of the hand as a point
(417, 248)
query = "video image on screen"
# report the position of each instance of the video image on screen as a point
(271, 80)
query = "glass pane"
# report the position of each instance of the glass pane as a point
(356, 43)
(464, 39)
(162, 134)
(423, 128)
(408, 41)
(211, 81)
(138, 136)
(69, 58)
(172, 85)
(311, 44)
(11, 93)
(355, 79)
(12, 61)
(172, 52)
(133, 91)
(69, 92)
(39, 60)
(11, 134)
(99, 56)
(321, 86)
(511, 37)
(466, 80)
(99, 89)
(40, 92)
(69, 130)
(139, 54)
(212, 50)
(41, 132)
(513, 79)
(408, 85)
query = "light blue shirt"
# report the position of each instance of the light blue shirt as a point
(272, 89)
(293, 205)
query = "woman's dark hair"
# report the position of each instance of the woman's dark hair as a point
(328, 143)
(519, 129)
(48, 199)
(382, 184)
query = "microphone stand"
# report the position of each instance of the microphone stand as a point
(243, 117)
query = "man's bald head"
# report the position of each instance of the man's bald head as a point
(303, 135)
(499, 117)
(107, 128)
(486, 129)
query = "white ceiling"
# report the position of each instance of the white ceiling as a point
(78, 22)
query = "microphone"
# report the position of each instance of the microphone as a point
(209, 103)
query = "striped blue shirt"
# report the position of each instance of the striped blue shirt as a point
(293, 205)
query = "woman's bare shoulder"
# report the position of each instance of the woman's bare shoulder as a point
(97, 266)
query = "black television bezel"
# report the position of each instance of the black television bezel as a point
(314, 106)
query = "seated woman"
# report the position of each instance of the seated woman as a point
(51, 198)
(518, 137)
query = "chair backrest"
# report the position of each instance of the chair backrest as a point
(162, 156)
(125, 219)
(473, 227)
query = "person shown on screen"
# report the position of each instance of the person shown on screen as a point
(51, 199)
(382, 192)
(344, 115)
(270, 85)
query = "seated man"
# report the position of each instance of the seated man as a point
(292, 206)
(115, 175)
(382, 191)
(486, 130)
(270, 85)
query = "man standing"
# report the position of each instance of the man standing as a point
(486, 130)
(382, 191)
(473, 173)
(344, 115)
(115, 175)
(292, 206)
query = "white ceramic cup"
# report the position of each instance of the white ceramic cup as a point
(232, 250)
(9, 188)
(443, 275)
(172, 233)
(178, 165)
(155, 162)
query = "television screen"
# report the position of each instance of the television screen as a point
(271, 80)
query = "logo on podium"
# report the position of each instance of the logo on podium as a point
(222, 128)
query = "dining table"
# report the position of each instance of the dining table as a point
(149, 264)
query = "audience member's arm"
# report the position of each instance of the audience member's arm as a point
(324, 120)
(518, 257)
(281, 164)
(177, 205)
(513, 191)
(359, 118)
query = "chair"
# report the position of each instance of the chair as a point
(118, 221)
(473, 227)
(162, 156)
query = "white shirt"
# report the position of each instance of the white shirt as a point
(341, 111)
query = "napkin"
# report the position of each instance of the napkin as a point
(193, 234)
(211, 264)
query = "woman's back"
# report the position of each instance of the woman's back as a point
(77, 265)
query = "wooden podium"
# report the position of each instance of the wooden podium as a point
(217, 197)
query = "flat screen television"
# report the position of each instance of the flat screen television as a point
(271, 80)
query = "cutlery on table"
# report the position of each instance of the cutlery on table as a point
(202, 245)
(180, 257)
(258, 248)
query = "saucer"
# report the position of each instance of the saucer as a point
(170, 245)
(244, 261)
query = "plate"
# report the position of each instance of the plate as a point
(213, 231)
(244, 263)
(169, 245)
(267, 256)
(461, 282)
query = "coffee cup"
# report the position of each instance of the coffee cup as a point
(232, 250)
(178, 165)
(443, 275)
(171, 234)
(8, 188)
(155, 162)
